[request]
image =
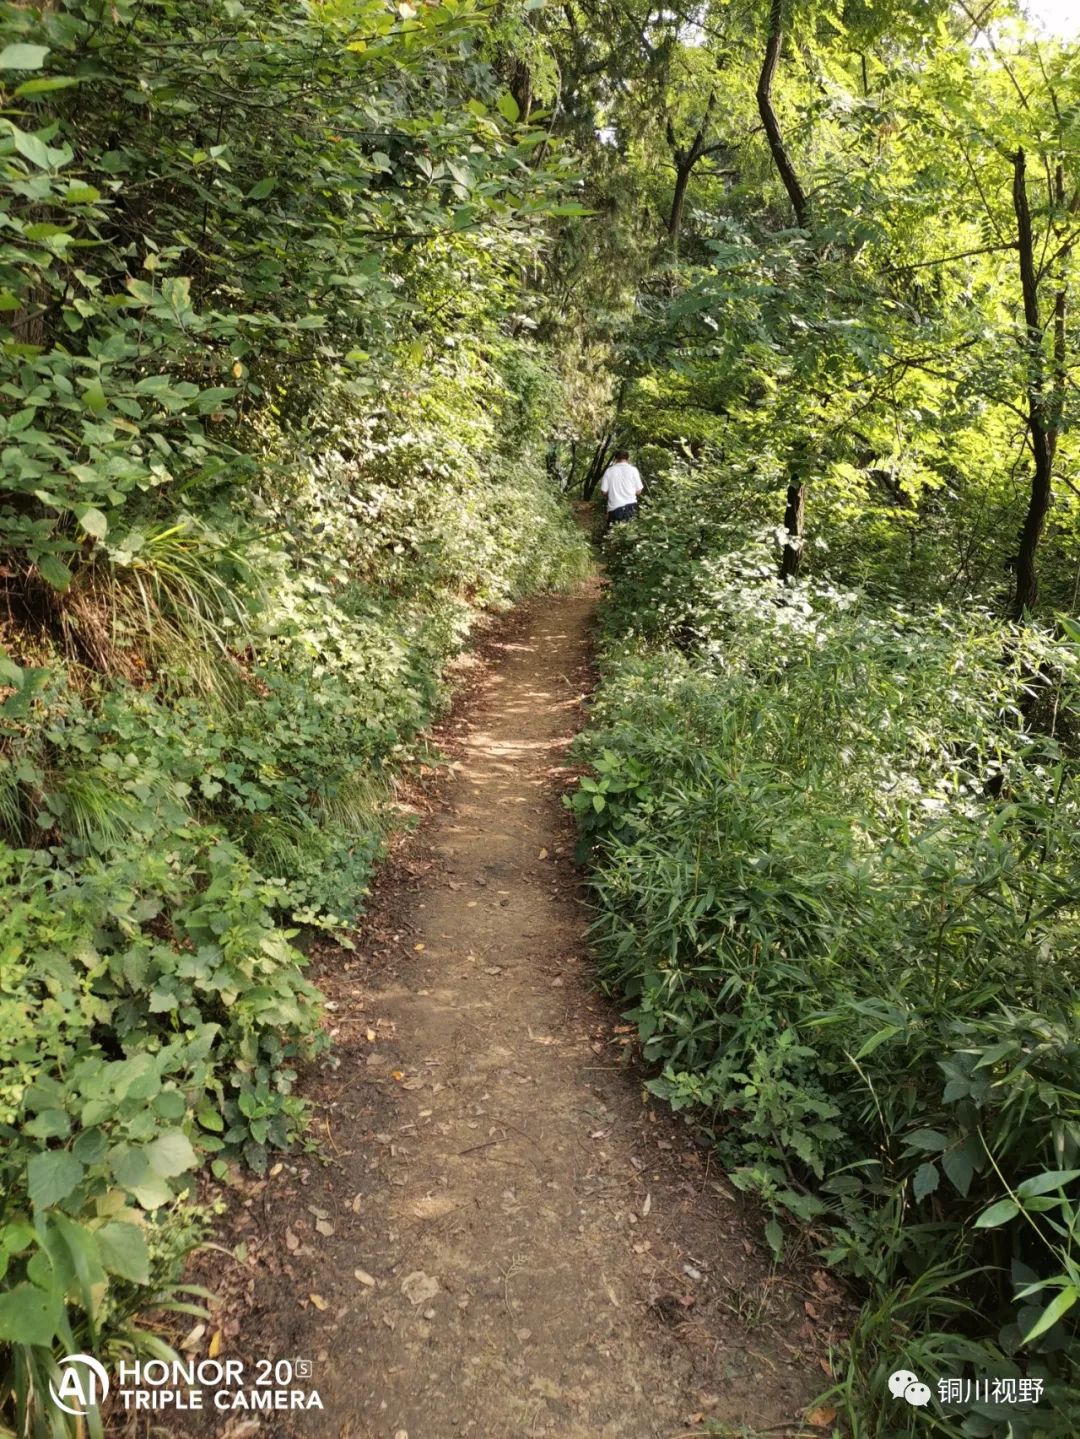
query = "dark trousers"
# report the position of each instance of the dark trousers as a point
(624, 512)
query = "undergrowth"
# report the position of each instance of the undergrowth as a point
(271, 442)
(834, 864)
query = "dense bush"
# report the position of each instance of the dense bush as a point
(268, 449)
(836, 865)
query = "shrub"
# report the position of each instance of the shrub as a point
(835, 875)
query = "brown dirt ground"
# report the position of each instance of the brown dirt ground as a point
(585, 1270)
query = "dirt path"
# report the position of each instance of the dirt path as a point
(509, 1240)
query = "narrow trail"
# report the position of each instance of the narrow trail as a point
(540, 1250)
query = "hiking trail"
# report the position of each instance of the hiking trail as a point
(510, 1237)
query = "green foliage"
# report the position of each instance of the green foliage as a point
(268, 447)
(835, 874)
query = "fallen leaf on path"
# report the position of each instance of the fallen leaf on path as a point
(419, 1287)
(364, 1277)
(214, 1348)
(413, 1082)
(821, 1418)
(543, 854)
(357, 1204)
(647, 1206)
(318, 1301)
(434, 1206)
(324, 1227)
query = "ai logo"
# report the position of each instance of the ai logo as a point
(83, 1384)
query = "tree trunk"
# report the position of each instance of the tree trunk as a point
(794, 521)
(596, 467)
(678, 200)
(1042, 438)
(796, 193)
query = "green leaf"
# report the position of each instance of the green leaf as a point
(1043, 1183)
(28, 1315)
(878, 1039)
(261, 188)
(999, 1213)
(171, 1154)
(44, 85)
(927, 1178)
(959, 1168)
(52, 1176)
(23, 57)
(509, 108)
(94, 523)
(32, 149)
(54, 572)
(94, 397)
(775, 1237)
(123, 1251)
(926, 1139)
(1053, 1312)
(10, 672)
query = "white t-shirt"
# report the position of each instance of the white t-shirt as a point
(621, 484)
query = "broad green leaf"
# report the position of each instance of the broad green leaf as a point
(999, 1213)
(54, 571)
(45, 85)
(959, 1169)
(927, 1178)
(171, 1154)
(23, 57)
(94, 397)
(52, 1176)
(123, 1251)
(509, 108)
(94, 523)
(33, 149)
(10, 672)
(29, 1315)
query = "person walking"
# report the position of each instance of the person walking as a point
(621, 484)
